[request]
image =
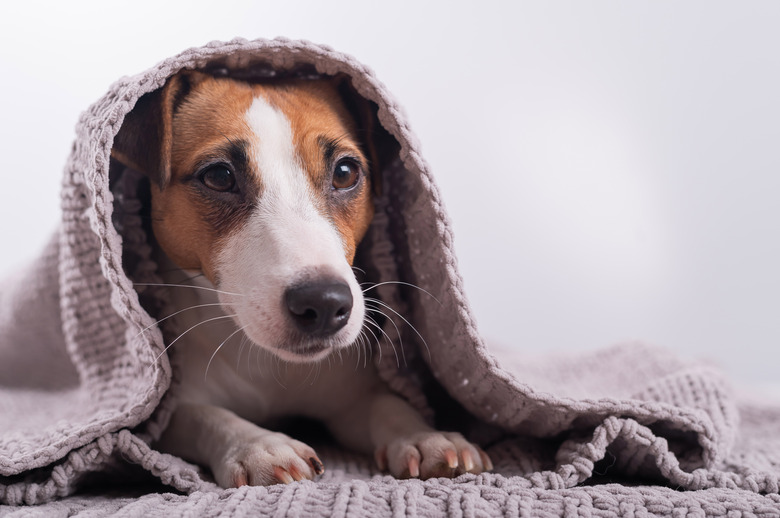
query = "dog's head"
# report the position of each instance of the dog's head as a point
(266, 189)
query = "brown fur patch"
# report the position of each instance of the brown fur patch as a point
(208, 121)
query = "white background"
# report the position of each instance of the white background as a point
(612, 169)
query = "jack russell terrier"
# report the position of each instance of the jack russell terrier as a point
(266, 190)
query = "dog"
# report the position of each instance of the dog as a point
(262, 191)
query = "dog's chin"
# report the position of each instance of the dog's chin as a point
(307, 352)
(297, 348)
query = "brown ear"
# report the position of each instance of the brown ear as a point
(145, 139)
(377, 143)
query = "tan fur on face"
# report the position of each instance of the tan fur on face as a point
(212, 116)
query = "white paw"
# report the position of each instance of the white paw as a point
(265, 459)
(432, 454)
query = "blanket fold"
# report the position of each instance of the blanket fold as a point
(86, 385)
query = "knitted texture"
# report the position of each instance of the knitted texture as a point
(84, 390)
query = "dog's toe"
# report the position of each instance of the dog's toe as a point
(432, 454)
(267, 459)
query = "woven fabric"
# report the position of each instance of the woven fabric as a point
(83, 390)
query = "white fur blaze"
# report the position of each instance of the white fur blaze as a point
(285, 239)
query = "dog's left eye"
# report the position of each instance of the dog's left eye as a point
(219, 178)
(345, 175)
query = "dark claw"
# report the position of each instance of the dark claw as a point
(319, 469)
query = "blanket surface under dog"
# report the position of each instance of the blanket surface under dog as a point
(86, 387)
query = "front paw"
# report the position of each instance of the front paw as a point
(432, 454)
(266, 459)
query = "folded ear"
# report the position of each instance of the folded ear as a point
(377, 143)
(145, 139)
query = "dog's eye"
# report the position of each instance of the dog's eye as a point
(346, 175)
(219, 178)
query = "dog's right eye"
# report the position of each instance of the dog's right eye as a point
(219, 178)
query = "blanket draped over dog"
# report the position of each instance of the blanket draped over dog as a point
(85, 387)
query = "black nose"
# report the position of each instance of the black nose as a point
(319, 307)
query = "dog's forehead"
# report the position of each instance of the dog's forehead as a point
(308, 116)
(211, 115)
(220, 111)
(310, 107)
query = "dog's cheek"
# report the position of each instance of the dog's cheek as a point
(352, 224)
(364, 220)
(179, 230)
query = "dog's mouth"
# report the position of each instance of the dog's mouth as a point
(289, 342)
(307, 351)
(310, 351)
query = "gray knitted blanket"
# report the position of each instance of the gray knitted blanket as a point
(630, 430)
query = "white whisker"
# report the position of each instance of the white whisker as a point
(364, 335)
(403, 284)
(258, 363)
(368, 320)
(377, 301)
(187, 286)
(317, 374)
(142, 331)
(378, 346)
(278, 372)
(374, 309)
(241, 346)
(205, 374)
(384, 334)
(187, 331)
(369, 354)
(311, 371)
(366, 344)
